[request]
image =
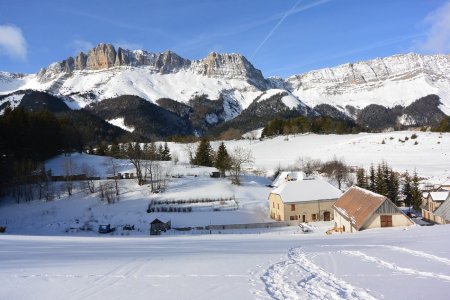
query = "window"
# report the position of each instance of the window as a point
(278, 205)
(292, 207)
(273, 204)
(291, 218)
(314, 217)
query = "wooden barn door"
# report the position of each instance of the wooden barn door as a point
(386, 221)
(326, 216)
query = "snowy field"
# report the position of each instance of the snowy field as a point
(52, 250)
(431, 155)
(284, 264)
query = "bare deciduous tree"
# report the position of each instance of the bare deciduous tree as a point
(69, 168)
(90, 173)
(189, 148)
(106, 192)
(337, 170)
(240, 158)
(114, 169)
(309, 165)
(134, 153)
(175, 158)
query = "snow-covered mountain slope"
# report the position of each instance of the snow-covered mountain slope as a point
(287, 99)
(390, 81)
(105, 72)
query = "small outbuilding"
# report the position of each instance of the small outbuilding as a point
(358, 209)
(157, 226)
(304, 200)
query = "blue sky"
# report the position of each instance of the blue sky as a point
(280, 37)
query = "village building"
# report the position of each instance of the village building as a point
(304, 200)
(359, 209)
(442, 213)
(287, 176)
(432, 211)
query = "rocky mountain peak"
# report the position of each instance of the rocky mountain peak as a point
(103, 56)
(228, 66)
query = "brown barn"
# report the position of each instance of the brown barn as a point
(359, 209)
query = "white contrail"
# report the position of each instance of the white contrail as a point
(276, 26)
(293, 10)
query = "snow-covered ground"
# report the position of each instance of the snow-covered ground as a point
(51, 250)
(431, 156)
(283, 264)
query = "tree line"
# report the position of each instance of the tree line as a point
(443, 126)
(385, 181)
(302, 124)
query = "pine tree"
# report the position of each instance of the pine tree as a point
(407, 189)
(166, 153)
(415, 192)
(380, 183)
(114, 151)
(386, 174)
(223, 160)
(152, 151)
(393, 186)
(372, 184)
(361, 179)
(204, 154)
(160, 153)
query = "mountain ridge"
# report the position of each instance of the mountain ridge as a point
(106, 72)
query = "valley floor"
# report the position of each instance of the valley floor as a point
(283, 264)
(51, 250)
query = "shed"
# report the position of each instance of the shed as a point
(358, 209)
(157, 226)
(305, 200)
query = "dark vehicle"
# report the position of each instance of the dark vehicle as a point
(105, 228)
(128, 227)
(411, 214)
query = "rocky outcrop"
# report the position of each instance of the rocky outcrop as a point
(104, 56)
(228, 66)
(396, 67)
(101, 57)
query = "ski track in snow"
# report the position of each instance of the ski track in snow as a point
(395, 267)
(421, 254)
(313, 282)
(111, 278)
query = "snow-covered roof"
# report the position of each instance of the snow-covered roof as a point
(287, 176)
(306, 190)
(439, 196)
